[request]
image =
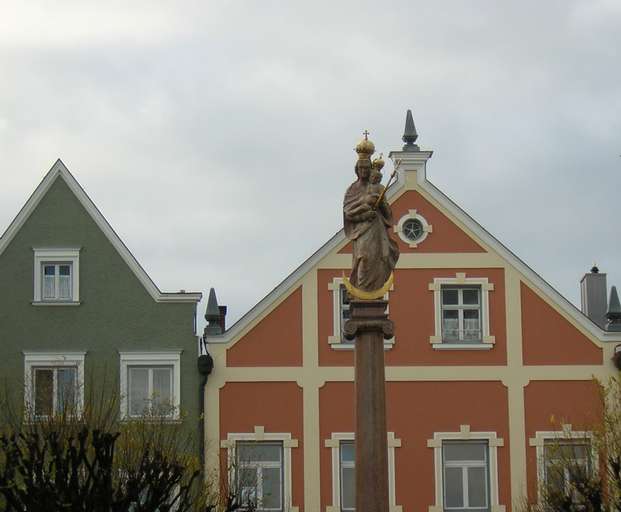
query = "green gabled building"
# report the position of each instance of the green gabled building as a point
(78, 310)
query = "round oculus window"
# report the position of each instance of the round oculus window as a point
(413, 229)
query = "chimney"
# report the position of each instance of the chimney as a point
(593, 296)
(222, 317)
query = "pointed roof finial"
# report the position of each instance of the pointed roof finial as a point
(614, 307)
(212, 314)
(614, 312)
(409, 134)
(595, 268)
(212, 305)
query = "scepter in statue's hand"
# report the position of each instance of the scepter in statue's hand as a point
(381, 197)
(376, 177)
(377, 164)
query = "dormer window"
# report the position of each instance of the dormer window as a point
(56, 277)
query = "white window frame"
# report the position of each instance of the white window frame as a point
(464, 434)
(342, 467)
(464, 466)
(413, 214)
(258, 435)
(336, 339)
(460, 279)
(150, 391)
(45, 255)
(258, 467)
(565, 434)
(460, 307)
(334, 443)
(151, 359)
(35, 359)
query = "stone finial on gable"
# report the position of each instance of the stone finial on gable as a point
(212, 315)
(409, 133)
(613, 315)
(410, 162)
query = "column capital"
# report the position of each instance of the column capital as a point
(368, 316)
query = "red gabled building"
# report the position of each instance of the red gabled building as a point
(485, 354)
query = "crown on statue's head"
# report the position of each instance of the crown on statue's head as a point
(378, 162)
(365, 148)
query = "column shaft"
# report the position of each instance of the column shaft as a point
(369, 325)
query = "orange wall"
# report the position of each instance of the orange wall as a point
(445, 237)
(548, 338)
(274, 341)
(416, 410)
(336, 414)
(277, 406)
(548, 404)
(411, 307)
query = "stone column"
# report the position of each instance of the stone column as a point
(369, 325)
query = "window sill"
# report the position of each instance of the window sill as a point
(30, 419)
(388, 345)
(391, 508)
(153, 420)
(56, 303)
(462, 346)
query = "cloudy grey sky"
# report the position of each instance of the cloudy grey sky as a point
(217, 136)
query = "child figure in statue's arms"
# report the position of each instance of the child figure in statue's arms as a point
(375, 181)
(376, 189)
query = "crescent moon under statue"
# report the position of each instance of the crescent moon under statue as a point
(365, 295)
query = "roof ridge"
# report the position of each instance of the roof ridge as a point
(448, 204)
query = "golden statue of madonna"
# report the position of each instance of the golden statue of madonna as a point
(367, 218)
